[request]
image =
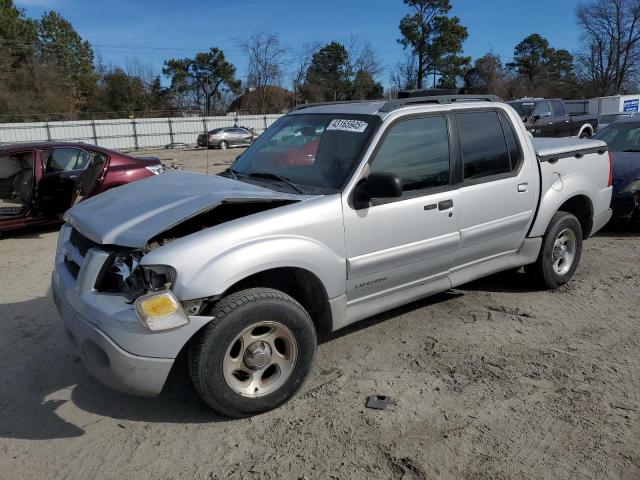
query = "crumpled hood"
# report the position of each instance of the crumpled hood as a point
(132, 214)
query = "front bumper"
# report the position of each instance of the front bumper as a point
(113, 344)
(106, 361)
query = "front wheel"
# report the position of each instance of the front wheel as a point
(585, 134)
(560, 252)
(255, 354)
(223, 145)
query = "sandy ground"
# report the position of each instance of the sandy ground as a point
(494, 380)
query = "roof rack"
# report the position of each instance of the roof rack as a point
(392, 105)
(322, 104)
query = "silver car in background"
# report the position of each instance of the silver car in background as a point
(224, 138)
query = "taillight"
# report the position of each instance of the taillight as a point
(610, 170)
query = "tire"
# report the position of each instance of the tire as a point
(556, 265)
(586, 134)
(223, 145)
(229, 376)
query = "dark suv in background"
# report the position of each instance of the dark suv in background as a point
(551, 118)
(40, 181)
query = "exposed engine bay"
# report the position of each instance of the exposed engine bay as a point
(123, 273)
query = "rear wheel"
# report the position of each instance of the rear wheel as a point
(255, 354)
(560, 252)
(223, 145)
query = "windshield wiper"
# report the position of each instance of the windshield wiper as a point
(275, 176)
(631, 150)
(233, 173)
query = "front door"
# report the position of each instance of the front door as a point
(62, 169)
(398, 243)
(497, 195)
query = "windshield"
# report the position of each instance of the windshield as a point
(309, 153)
(606, 119)
(621, 137)
(524, 109)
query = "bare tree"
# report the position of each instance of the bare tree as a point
(611, 39)
(266, 57)
(300, 62)
(404, 75)
(363, 57)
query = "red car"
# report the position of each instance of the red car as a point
(40, 181)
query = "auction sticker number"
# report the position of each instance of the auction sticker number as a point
(357, 126)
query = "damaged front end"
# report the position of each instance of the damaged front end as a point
(124, 273)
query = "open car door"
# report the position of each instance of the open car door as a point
(62, 169)
(90, 178)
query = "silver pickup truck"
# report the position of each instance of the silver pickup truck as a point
(336, 213)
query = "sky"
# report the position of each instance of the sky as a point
(154, 30)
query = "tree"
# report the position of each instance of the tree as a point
(541, 69)
(61, 46)
(17, 36)
(301, 62)
(404, 74)
(435, 40)
(266, 63)
(329, 75)
(610, 34)
(488, 76)
(531, 57)
(208, 73)
(337, 73)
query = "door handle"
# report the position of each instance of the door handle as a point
(445, 204)
(523, 187)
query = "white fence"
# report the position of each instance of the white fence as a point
(127, 134)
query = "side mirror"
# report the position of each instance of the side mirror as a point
(378, 185)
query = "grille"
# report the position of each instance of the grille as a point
(82, 243)
(73, 267)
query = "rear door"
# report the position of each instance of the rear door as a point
(62, 169)
(497, 193)
(245, 136)
(545, 122)
(561, 119)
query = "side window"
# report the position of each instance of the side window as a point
(515, 150)
(62, 160)
(83, 161)
(417, 150)
(67, 159)
(542, 109)
(558, 109)
(484, 148)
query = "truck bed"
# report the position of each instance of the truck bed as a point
(555, 148)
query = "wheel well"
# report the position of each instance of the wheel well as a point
(302, 285)
(581, 207)
(585, 127)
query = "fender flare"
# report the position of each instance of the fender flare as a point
(575, 185)
(586, 126)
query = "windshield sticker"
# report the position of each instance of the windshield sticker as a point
(357, 126)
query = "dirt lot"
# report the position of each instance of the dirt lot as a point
(494, 380)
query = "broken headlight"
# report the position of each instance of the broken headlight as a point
(124, 275)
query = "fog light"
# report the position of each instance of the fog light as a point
(160, 311)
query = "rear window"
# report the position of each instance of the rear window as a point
(484, 145)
